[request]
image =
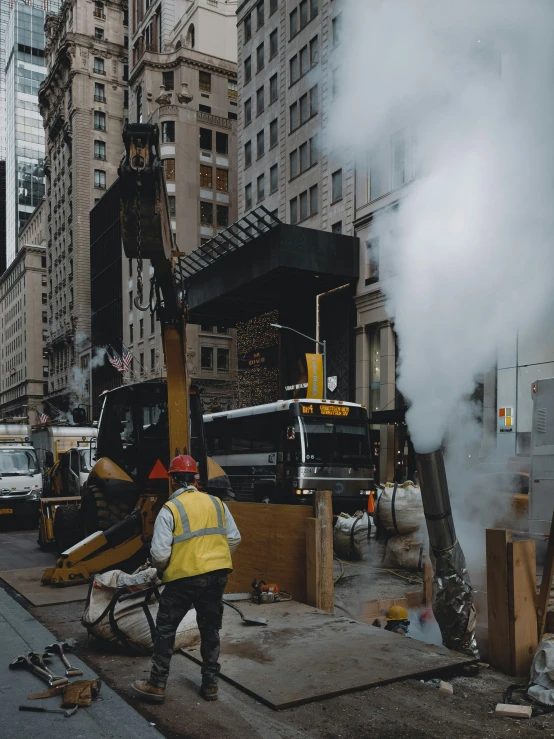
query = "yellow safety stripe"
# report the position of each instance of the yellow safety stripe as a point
(187, 533)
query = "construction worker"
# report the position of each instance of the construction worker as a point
(397, 620)
(194, 535)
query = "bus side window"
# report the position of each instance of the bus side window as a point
(216, 436)
(266, 435)
(241, 434)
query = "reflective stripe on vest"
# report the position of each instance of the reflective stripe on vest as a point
(187, 533)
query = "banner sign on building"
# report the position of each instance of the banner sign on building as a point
(315, 375)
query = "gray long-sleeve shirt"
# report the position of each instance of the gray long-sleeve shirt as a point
(162, 540)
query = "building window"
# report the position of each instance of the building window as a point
(260, 103)
(141, 360)
(336, 228)
(205, 108)
(303, 152)
(125, 98)
(172, 206)
(304, 109)
(273, 44)
(223, 361)
(221, 143)
(45, 370)
(99, 120)
(274, 178)
(247, 111)
(206, 214)
(100, 150)
(131, 329)
(44, 316)
(222, 214)
(44, 298)
(222, 180)
(304, 61)
(314, 51)
(100, 179)
(206, 176)
(99, 34)
(314, 7)
(99, 9)
(207, 358)
(336, 178)
(336, 25)
(313, 200)
(98, 65)
(313, 150)
(293, 69)
(303, 198)
(205, 81)
(139, 104)
(130, 300)
(248, 27)
(141, 328)
(303, 7)
(272, 6)
(168, 132)
(153, 318)
(44, 334)
(206, 139)
(261, 188)
(125, 73)
(260, 145)
(248, 154)
(294, 211)
(293, 22)
(152, 359)
(273, 91)
(293, 110)
(260, 57)
(248, 196)
(99, 92)
(314, 100)
(260, 14)
(169, 169)
(293, 160)
(168, 81)
(273, 134)
(247, 69)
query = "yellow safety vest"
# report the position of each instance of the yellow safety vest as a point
(200, 542)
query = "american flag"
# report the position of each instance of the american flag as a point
(116, 361)
(126, 358)
(42, 417)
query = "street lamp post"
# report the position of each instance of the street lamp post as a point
(316, 341)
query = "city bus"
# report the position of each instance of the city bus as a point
(283, 452)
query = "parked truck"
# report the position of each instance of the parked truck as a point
(20, 474)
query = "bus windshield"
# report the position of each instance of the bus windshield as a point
(334, 442)
(18, 462)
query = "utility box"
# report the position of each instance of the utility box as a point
(541, 472)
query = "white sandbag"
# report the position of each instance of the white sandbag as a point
(122, 609)
(399, 509)
(404, 552)
(541, 684)
(351, 536)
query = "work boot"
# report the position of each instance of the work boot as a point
(147, 692)
(208, 691)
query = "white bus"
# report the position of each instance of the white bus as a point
(283, 452)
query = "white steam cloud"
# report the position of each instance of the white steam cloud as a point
(466, 88)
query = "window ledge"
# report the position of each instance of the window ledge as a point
(306, 73)
(334, 202)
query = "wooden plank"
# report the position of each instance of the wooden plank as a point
(273, 547)
(313, 546)
(323, 509)
(497, 598)
(546, 583)
(522, 576)
(304, 654)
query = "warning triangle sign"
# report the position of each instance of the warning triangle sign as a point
(158, 472)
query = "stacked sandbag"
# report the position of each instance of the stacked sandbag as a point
(122, 609)
(405, 552)
(351, 536)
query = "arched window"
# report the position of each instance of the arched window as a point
(190, 37)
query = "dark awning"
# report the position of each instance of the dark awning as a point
(260, 264)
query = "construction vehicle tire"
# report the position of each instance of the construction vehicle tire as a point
(68, 527)
(106, 513)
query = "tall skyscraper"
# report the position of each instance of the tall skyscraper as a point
(24, 135)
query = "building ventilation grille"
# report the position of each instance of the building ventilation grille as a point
(541, 420)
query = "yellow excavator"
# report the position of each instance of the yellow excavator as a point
(143, 425)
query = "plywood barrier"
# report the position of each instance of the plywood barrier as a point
(273, 547)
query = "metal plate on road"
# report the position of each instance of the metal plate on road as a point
(6, 510)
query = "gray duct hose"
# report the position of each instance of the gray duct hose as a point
(452, 592)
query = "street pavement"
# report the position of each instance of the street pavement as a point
(109, 718)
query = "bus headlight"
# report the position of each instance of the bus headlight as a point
(365, 492)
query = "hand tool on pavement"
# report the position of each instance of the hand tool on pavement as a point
(24, 662)
(251, 620)
(39, 709)
(59, 648)
(268, 593)
(38, 660)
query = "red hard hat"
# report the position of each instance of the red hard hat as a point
(182, 463)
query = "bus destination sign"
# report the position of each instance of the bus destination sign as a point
(325, 410)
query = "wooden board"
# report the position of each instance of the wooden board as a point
(546, 583)
(522, 576)
(313, 544)
(27, 583)
(305, 655)
(497, 597)
(273, 547)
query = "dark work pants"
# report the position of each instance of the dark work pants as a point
(204, 593)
